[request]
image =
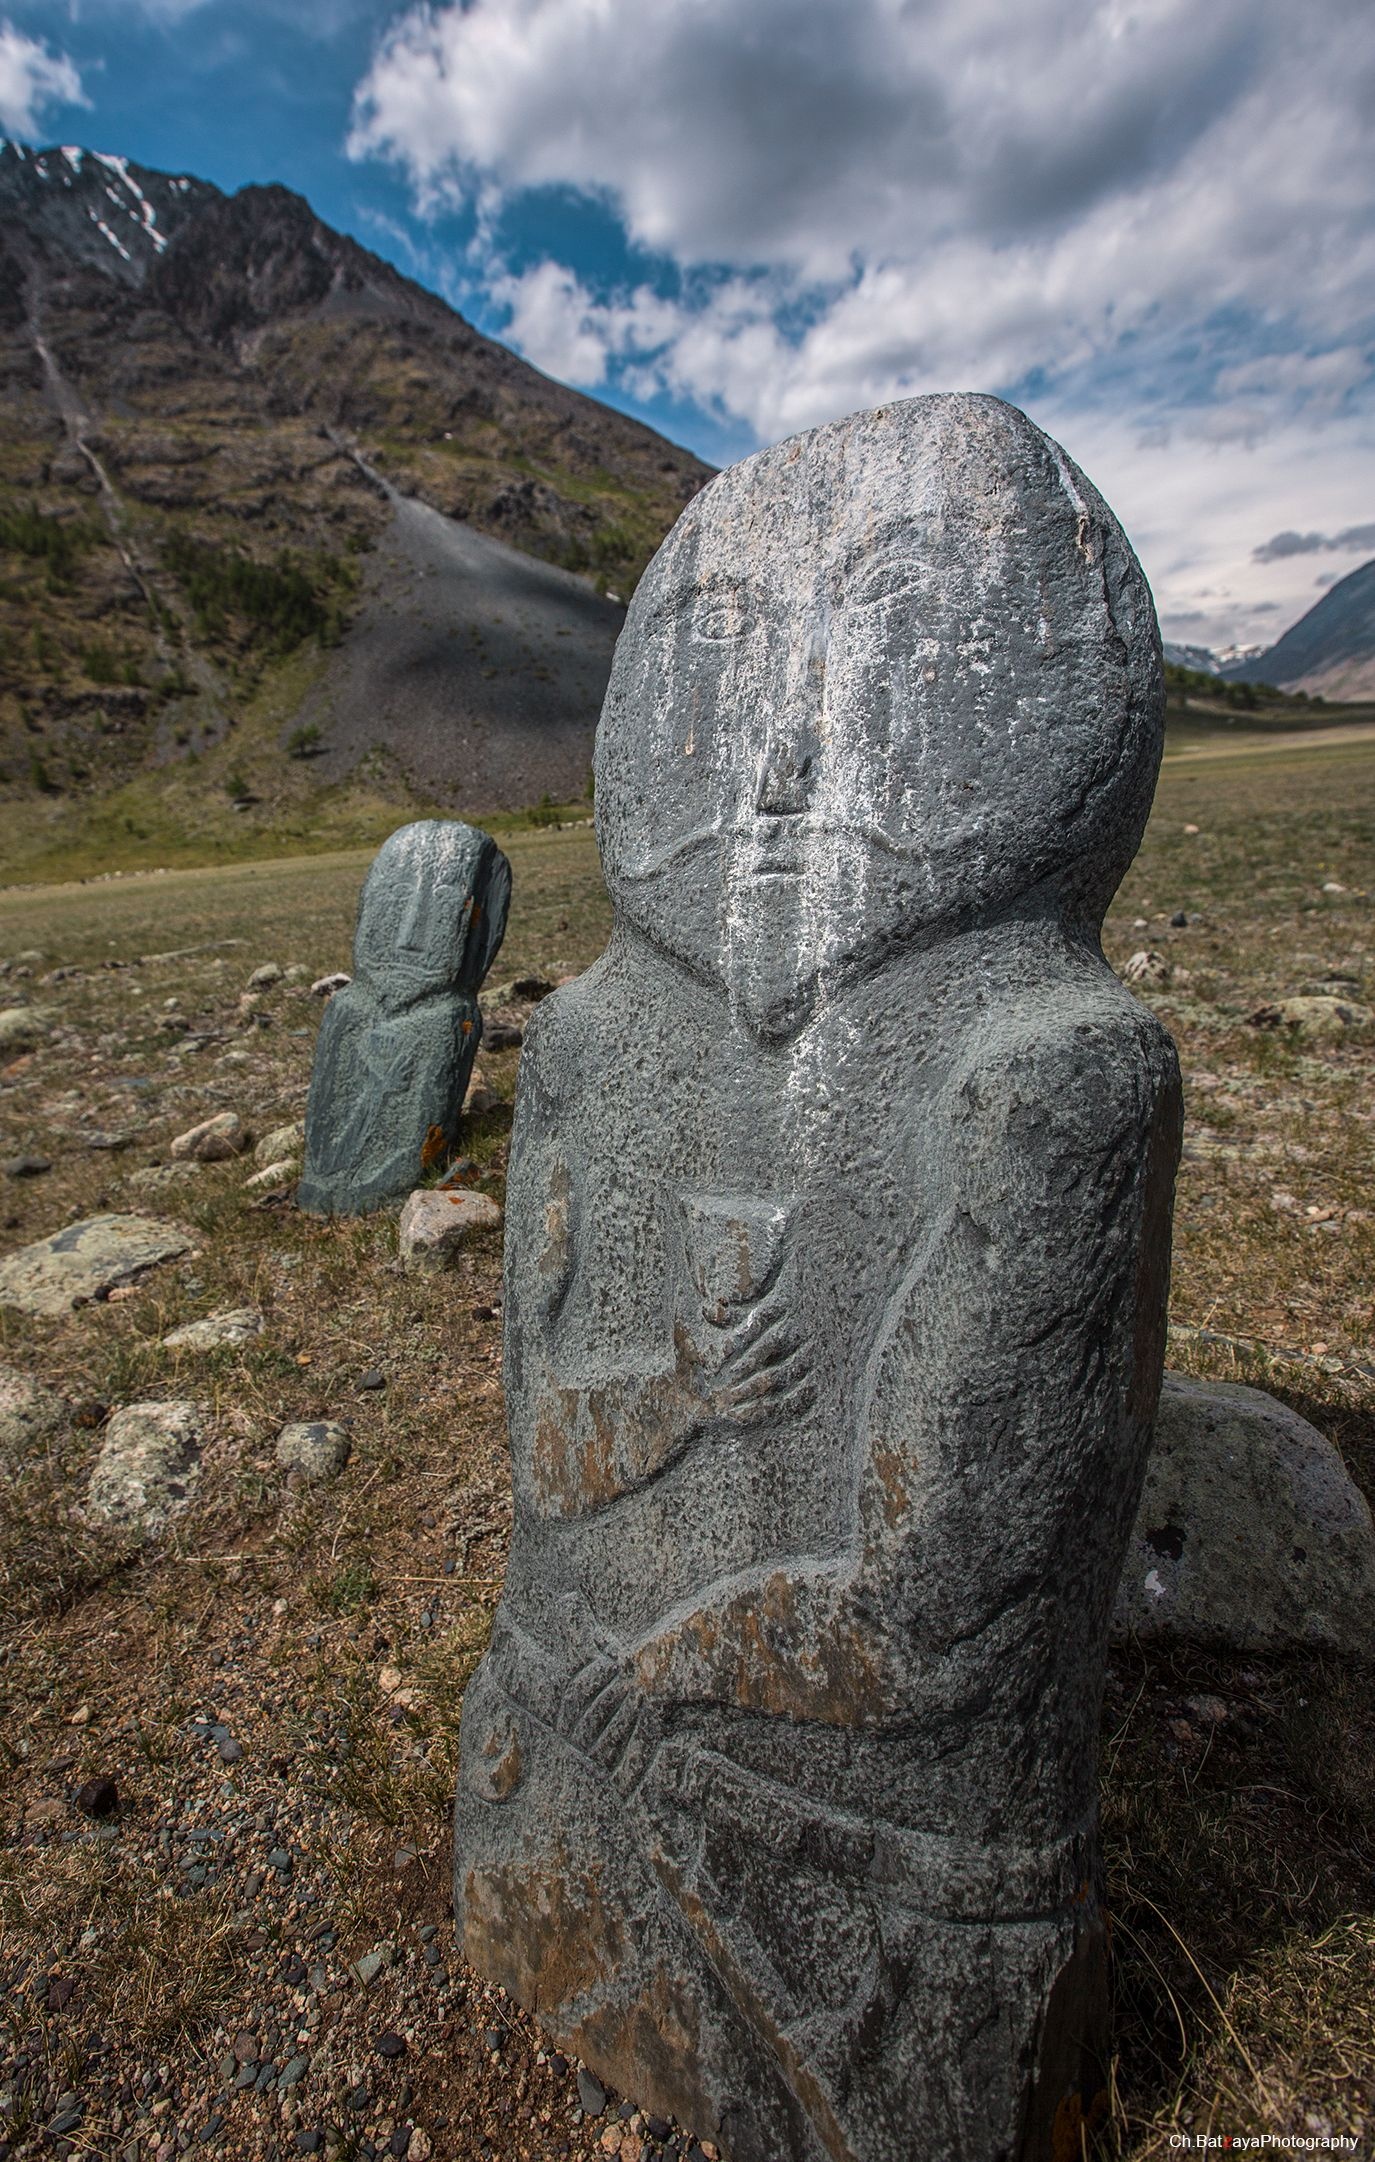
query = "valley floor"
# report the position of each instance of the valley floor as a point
(253, 1953)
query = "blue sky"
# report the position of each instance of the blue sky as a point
(1148, 222)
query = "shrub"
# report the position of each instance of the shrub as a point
(278, 601)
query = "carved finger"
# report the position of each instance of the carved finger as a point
(596, 1716)
(771, 1308)
(614, 1737)
(770, 1383)
(584, 1688)
(765, 1351)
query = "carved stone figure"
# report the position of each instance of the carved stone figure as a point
(396, 1046)
(838, 1234)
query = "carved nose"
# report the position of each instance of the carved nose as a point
(785, 782)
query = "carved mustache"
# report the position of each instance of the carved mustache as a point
(798, 828)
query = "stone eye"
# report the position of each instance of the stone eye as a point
(721, 620)
(882, 582)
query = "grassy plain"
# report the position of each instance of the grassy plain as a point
(332, 1628)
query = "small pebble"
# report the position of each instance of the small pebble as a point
(373, 1379)
(390, 2046)
(97, 1798)
(591, 2093)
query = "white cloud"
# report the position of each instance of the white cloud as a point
(1138, 208)
(31, 79)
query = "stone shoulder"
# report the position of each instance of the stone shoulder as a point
(558, 1038)
(1067, 1068)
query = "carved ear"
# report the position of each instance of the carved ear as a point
(491, 899)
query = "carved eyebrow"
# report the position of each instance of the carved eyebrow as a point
(889, 543)
(711, 590)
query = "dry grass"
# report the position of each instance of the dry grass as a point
(336, 1627)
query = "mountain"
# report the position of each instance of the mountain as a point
(223, 425)
(1330, 652)
(1200, 658)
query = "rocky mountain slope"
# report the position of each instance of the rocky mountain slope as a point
(1330, 652)
(213, 408)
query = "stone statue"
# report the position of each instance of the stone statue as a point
(396, 1046)
(838, 1237)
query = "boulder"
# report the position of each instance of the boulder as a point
(148, 1466)
(1323, 1015)
(283, 1143)
(214, 1141)
(314, 1448)
(279, 1174)
(87, 1261)
(22, 1028)
(235, 1325)
(1146, 968)
(1251, 1535)
(437, 1221)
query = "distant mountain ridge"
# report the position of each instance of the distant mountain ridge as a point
(205, 398)
(1329, 652)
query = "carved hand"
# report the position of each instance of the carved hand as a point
(757, 1368)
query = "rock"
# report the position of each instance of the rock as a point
(214, 1140)
(437, 1220)
(316, 1448)
(280, 1174)
(838, 1234)
(505, 1036)
(374, 1962)
(29, 1415)
(234, 1325)
(591, 2093)
(23, 1028)
(391, 2046)
(87, 1261)
(1251, 1536)
(326, 986)
(157, 1178)
(99, 1797)
(374, 1379)
(397, 1045)
(282, 1143)
(1179, 921)
(1324, 1016)
(1146, 968)
(265, 977)
(148, 1466)
(27, 1167)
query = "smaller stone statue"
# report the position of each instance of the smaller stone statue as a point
(397, 1046)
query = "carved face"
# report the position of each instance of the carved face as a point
(432, 912)
(881, 680)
